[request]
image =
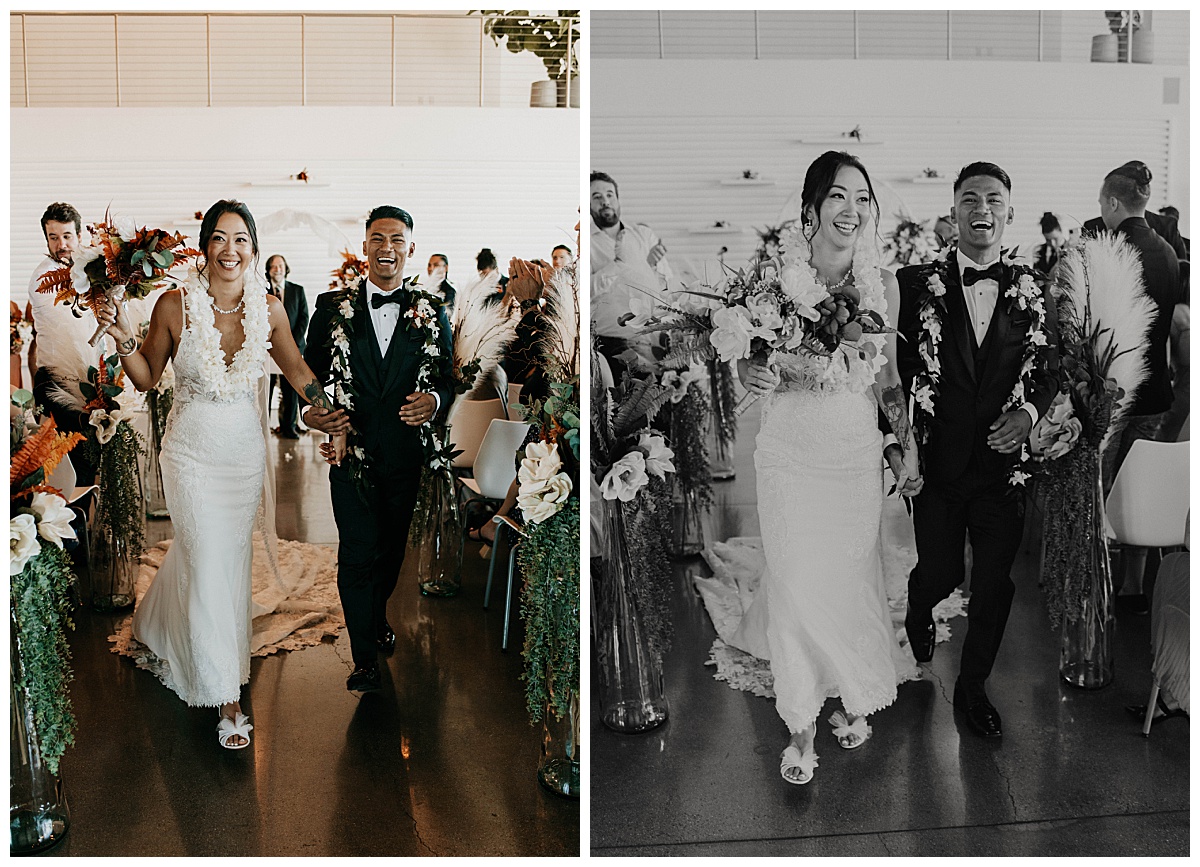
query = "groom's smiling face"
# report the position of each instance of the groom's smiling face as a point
(981, 211)
(387, 248)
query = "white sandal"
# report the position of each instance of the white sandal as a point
(850, 735)
(228, 729)
(791, 759)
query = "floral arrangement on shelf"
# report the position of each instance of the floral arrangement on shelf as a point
(856, 133)
(910, 243)
(749, 175)
(1103, 318)
(930, 173)
(125, 262)
(40, 575)
(548, 496)
(630, 461)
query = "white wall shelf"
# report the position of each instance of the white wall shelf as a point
(716, 230)
(840, 140)
(747, 182)
(293, 184)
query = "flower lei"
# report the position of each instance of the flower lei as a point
(242, 375)
(421, 315)
(1023, 287)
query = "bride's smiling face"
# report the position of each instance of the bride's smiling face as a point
(846, 209)
(230, 250)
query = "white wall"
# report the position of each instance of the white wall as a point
(1057, 128)
(501, 178)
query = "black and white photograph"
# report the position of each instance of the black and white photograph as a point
(294, 385)
(889, 433)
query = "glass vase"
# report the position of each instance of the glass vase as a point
(1086, 654)
(37, 808)
(723, 430)
(558, 770)
(687, 525)
(440, 541)
(157, 405)
(631, 692)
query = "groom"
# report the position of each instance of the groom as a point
(385, 354)
(973, 444)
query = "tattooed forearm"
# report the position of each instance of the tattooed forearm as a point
(315, 395)
(127, 346)
(891, 400)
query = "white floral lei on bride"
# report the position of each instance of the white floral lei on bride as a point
(242, 375)
(853, 365)
(1023, 287)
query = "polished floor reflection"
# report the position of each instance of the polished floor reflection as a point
(442, 761)
(1073, 776)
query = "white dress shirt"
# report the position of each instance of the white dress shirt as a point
(981, 298)
(55, 323)
(385, 318)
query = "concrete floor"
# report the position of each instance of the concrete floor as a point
(1072, 776)
(442, 761)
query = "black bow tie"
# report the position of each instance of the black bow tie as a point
(973, 275)
(400, 296)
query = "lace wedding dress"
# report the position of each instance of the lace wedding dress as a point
(196, 616)
(820, 611)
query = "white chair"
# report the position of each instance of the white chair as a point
(469, 420)
(1170, 630)
(1148, 504)
(1185, 433)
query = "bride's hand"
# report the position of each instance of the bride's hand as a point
(116, 318)
(906, 470)
(759, 379)
(334, 450)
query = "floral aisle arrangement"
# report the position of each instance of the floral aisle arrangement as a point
(548, 497)
(686, 417)
(1104, 316)
(1024, 294)
(42, 723)
(113, 446)
(631, 573)
(125, 262)
(158, 405)
(910, 243)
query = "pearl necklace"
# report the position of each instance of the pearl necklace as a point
(840, 284)
(236, 308)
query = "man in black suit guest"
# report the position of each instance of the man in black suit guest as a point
(296, 305)
(1123, 197)
(973, 443)
(385, 352)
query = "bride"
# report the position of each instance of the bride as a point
(821, 613)
(196, 616)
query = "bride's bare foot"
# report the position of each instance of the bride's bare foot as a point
(799, 758)
(236, 740)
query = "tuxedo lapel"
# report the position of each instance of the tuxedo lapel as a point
(956, 312)
(998, 330)
(366, 358)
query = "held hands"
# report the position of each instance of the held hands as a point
(759, 379)
(419, 409)
(333, 422)
(334, 450)
(1009, 431)
(906, 470)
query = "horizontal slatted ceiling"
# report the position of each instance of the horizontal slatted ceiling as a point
(256, 60)
(814, 36)
(73, 56)
(164, 61)
(459, 206)
(669, 168)
(265, 60)
(348, 60)
(985, 35)
(16, 61)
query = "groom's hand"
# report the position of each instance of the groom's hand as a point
(327, 421)
(419, 409)
(1009, 431)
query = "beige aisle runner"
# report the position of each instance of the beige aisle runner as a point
(305, 618)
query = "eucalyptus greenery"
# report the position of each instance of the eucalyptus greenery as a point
(549, 558)
(40, 604)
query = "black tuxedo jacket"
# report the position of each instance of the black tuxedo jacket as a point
(296, 305)
(382, 383)
(976, 380)
(1166, 227)
(1160, 273)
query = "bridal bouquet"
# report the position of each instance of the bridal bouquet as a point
(1103, 316)
(40, 576)
(125, 262)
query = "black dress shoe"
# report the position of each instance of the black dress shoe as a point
(364, 678)
(983, 719)
(387, 640)
(921, 634)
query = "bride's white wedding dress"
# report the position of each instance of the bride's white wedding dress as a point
(820, 614)
(196, 616)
